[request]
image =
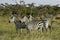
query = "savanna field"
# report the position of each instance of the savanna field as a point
(8, 32)
(20, 9)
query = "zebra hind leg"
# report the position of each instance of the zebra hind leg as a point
(50, 28)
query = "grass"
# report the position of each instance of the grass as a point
(8, 32)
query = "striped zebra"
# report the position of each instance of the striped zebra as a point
(33, 23)
(30, 25)
(18, 23)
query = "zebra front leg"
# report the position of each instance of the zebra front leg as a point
(28, 29)
(41, 29)
(21, 29)
(16, 30)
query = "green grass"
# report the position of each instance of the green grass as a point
(8, 32)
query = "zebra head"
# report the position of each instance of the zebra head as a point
(12, 19)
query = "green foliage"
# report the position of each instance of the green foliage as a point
(31, 9)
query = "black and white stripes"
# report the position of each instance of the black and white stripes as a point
(29, 23)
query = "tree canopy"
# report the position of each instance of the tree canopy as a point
(26, 9)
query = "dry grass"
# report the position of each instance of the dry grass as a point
(8, 32)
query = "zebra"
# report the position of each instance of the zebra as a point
(33, 23)
(17, 22)
(29, 24)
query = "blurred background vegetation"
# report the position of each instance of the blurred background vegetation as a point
(26, 9)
